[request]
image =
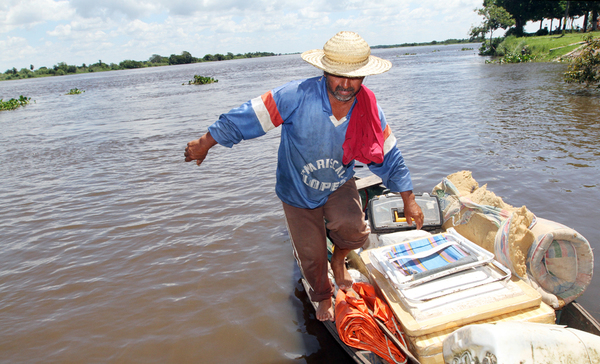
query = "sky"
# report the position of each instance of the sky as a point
(46, 32)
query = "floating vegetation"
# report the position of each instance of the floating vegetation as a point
(466, 49)
(409, 54)
(201, 80)
(74, 91)
(13, 104)
(514, 58)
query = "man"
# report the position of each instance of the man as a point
(327, 123)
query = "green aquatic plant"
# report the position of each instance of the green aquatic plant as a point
(74, 91)
(201, 80)
(13, 104)
(514, 58)
(585, 67)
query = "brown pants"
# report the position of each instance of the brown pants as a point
(347, 229)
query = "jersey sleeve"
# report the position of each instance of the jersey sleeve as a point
(393, 171)
(254, 118)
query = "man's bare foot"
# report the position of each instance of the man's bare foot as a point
(343, 279)
(325, 310)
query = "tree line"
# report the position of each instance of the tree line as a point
(562, 12)
(155, 60)
(414, 44)
(513, 15)
(584, 66)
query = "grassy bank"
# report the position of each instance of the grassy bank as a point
(545, 48)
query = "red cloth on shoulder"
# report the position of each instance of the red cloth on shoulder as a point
(364, 137)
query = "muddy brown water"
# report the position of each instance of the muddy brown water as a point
(115, 250)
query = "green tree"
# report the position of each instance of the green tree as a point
(494, 18)
(585, 68)
(535, 10)
(184, 58)
(156, 58)
(129, 64)
(522, 11)
(591, 9)
(551, 10)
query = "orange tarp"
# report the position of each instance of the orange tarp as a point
(357, 328)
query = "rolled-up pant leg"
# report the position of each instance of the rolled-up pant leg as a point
(348, 230)
(345, 218)
(307, 233)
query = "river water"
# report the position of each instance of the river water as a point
(113, 249)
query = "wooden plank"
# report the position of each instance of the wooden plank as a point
(366, 182)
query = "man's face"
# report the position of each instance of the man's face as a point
(344, 89)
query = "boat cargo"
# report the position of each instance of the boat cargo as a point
(450, 294)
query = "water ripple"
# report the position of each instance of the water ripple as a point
(115, 250)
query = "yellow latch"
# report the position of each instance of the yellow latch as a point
(397, 217)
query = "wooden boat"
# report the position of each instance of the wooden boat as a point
(572, 315)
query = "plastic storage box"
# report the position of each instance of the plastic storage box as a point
(386, 213)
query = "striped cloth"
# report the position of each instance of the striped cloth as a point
(408, 266)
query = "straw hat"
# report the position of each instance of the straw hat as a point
(347, 55)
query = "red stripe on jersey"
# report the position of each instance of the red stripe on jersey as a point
(387, 131)
(272, 108)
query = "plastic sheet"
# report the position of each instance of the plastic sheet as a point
(358, 328)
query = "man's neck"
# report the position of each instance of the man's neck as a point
(339, 109)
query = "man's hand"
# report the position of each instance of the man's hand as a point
(198, 149)
(412, 211)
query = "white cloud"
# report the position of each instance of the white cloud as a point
(116, 8)
(19, 49)
(82, 31)
(61, 30)
(28, 13)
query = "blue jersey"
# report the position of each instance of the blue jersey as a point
(309, 166)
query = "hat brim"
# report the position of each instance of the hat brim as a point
(372, 66)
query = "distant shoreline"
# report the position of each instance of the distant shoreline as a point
(445, 42)
(63, 69)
